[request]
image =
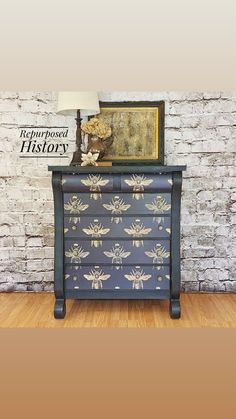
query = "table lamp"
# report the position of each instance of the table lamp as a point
(86, 104)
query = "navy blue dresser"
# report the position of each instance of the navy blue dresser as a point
(117, 233)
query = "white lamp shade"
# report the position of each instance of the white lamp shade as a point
(86, 102)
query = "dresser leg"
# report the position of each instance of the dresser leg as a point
(60, 308)
(175, 310)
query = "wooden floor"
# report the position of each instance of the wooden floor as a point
(198, 310)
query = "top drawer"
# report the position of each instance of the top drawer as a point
(87, 183)
(137, 183)
(99, 182)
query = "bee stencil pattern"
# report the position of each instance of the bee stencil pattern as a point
(137, 276)
(96, 231)
(96, 276)
(76, 253)
(117, 206)
(137, 229)
(158, 254)
(95, 182)
(138, 182)
(117, 253)
(75, 205)
(158, 206)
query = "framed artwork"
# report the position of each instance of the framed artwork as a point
(137, 131)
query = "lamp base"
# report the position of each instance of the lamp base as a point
(76, 159)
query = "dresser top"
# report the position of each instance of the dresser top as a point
(117, 169)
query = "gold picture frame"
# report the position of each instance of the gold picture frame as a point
(137, 131)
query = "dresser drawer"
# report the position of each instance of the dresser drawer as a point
(100, 182)
(117, 252)
(127, 227)
(139, 183)
(110, 278)
(88, 183)
(114, 204)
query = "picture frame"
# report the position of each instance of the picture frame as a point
(137, 132)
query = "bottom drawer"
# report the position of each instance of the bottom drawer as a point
(117, 277)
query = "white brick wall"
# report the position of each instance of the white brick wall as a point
(200, 132)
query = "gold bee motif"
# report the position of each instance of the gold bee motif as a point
(137, 275)
(137, 229)
(96, 230)
(75, 206)
(158, 206)
(138, 182)
(76, 253)
(95, 182)
(117, 206)
(158, 253)
(97, 276)
(117, 253)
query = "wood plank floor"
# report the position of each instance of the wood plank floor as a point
(198, 310)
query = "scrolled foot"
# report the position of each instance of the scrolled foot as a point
(175, 310)
(60, 309)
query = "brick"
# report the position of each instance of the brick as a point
(211, 95)
(189, 276)
(230, 286)
(229, 183)
(216, 274)
(189, 264)
(208, 146)
(221, 246)
(205, 263)
(34, 265)
(223, 231)
(48, 287)
(49, 252)
(198, 230)
(8, 105)
(225, 119)
(34, 242)
(172, 122)
(186, 108)
(6, 241)
(35, 287)
(200, 252)
(221, 263)
(190, 286)
(220, 106)
(4, 254)
(35, 253)
(228, 95)
(205, 195)
(9, 95)
(233, 219)
(212, 286)
(225, 159)
(190, 121)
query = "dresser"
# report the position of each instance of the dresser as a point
(117, 233)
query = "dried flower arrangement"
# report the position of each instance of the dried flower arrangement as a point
(98, 134)
(96, 128)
